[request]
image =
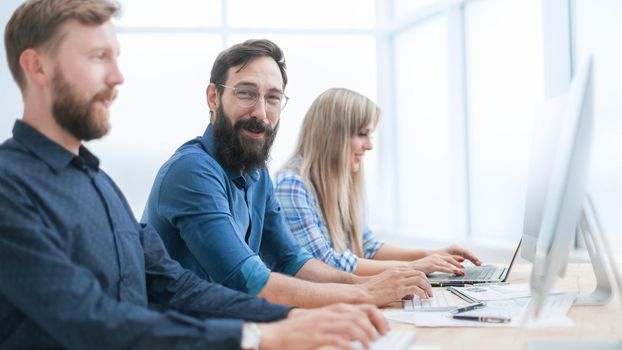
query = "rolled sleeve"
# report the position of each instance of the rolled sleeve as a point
(254, 274)
(176, 288)
(295, 264)
(371, 244)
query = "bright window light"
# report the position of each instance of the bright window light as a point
(504, 84)
(166, 13)
(424, 146)
(350, 14)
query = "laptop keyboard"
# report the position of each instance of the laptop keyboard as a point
(442, 300)
(476, 273)
(394, 340)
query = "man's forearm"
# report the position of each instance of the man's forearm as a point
(317, 271)
(284, 289)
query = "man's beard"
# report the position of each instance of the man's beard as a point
(238, 152)
(81, 119)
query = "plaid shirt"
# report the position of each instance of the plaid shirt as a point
(305, 220)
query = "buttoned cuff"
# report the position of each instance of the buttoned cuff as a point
(223, 333)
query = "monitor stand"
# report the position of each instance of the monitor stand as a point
(600, 256)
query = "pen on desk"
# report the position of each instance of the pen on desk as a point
(489, 284)
(467, 308)
(489, 319)
(461, 295)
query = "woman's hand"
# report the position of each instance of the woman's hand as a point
(460, 254)
(448, 260)
(439, 262)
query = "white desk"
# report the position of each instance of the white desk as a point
(590, 322)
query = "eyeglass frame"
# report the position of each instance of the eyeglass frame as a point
(257, 99)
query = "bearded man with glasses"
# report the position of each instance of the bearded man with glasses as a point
(214, 205)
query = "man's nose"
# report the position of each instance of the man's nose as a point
(259, 110)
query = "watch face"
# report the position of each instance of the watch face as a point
(250, 336)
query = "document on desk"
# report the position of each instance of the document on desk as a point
(498, 291)
(554, 314)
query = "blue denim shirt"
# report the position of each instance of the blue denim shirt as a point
(224, 225)
(78, 271)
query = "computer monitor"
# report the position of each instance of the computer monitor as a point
(561, 190)
(548, 120)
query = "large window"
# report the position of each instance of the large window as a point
(166, 14)
(429, 203)
(504, 83)
(504, 57)
(287, 14)
(465, 101)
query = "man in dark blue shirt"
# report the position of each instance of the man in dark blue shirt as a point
(76, 269)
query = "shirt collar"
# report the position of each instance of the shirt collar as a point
(236, 176)
(51, 153)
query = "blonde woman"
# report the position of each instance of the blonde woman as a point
(321, 192)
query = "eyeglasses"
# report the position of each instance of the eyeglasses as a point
(248, 96)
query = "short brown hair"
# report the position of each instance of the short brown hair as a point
(242, 54)
(37, 23)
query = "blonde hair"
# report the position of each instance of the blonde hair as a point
(324, 146)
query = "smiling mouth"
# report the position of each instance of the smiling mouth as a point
(253, 133)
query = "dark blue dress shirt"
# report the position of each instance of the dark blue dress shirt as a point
(225, 225)
(78, 271)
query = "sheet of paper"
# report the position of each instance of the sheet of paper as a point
(498, 292)
(553, 314)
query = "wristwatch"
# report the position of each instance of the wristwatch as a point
(250, 336)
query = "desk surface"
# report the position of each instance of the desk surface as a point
(590, 322)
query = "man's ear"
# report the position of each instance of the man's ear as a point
(35, 67)
(212, 99)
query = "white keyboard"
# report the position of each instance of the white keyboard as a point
(394, 340)
(442, 300)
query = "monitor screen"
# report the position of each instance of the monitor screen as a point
(565, 192)
(547, 125)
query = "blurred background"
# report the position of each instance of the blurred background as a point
(457, 80)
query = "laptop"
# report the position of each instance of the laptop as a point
(474, 274)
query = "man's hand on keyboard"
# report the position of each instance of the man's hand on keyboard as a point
(395, 283)
(335, 325)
